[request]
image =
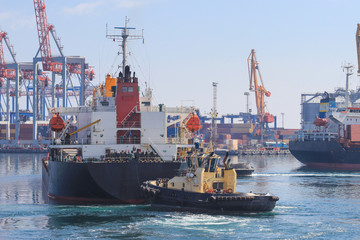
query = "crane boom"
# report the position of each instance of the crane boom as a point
(358, 45)
(43, 32)
(85, 127)
(2, 58)
(260, 91)
(6, 73)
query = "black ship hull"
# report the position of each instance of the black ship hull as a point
(101, 182)
(232, 203)
(326, 155)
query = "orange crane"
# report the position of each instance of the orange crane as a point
(357, 36)
(263, 118)
(260, 91)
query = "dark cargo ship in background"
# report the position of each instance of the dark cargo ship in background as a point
(335, 141)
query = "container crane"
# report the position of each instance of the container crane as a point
(263, 118)
(44, 40)
(5, 72)
(44, 28)
(9, 72)
(61, 65)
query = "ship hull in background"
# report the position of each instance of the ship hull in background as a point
(326, 155)
(101, 182)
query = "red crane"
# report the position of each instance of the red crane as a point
(4, 73)
(44, 40)
(45, 48)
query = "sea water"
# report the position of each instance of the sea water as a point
(313, 205)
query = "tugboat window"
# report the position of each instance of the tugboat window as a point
(207, 165)
(200, 161)
(130, 89)
(213, 164)
(218, 185)
(124, 89)
(189, 163)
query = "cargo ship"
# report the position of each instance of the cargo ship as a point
(102, 152)
(335, 142)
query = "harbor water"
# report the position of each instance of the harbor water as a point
(313, 205)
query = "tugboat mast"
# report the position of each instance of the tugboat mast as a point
(213, 127)
(122, 34)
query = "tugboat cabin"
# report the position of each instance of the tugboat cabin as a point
(204, 175)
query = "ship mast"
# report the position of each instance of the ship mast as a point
(121, 34)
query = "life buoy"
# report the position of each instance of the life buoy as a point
(230, 190)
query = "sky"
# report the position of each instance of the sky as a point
(188, 44)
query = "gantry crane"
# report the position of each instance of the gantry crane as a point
(59, 65)
(263, 118)
(5, 72)
(9, 72)
(44, 40)
(44, 28)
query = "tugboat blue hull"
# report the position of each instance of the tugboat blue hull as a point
(171, 199)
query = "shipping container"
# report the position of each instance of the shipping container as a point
(241, 130)
(353, 133)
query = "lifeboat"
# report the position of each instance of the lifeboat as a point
(320, 122)
(193, 124)
(56, 123)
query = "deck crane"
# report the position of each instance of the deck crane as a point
(263, 118)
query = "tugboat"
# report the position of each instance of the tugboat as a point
(205, 187)
(243, 169)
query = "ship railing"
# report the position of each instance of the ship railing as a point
(122, 159)
(127, 117)
(317, 136)
(77, 141)
(72, 110)
(172, 109)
